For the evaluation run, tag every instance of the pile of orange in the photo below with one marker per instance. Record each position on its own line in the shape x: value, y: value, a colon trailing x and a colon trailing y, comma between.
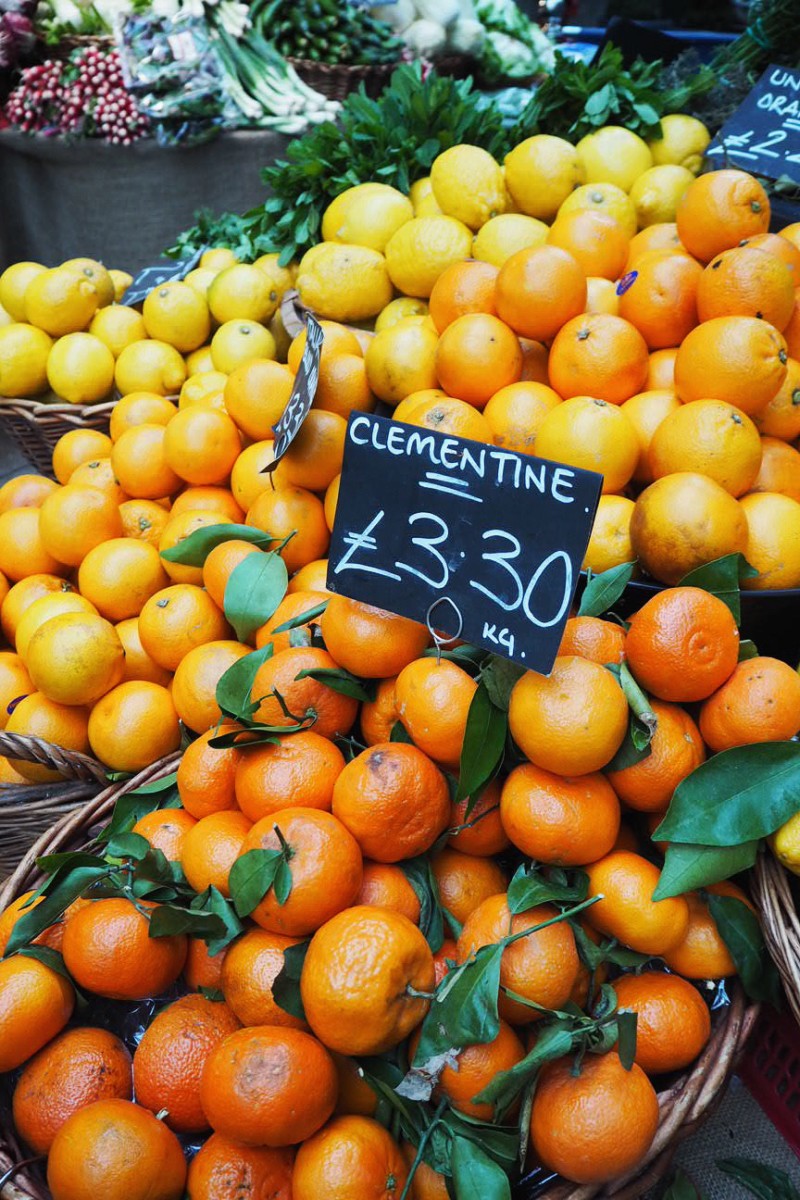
x: 280, y: 1098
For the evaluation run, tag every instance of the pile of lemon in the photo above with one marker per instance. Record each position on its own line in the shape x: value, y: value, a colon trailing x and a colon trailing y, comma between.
x: 64, y: 334
x: 378, y: 242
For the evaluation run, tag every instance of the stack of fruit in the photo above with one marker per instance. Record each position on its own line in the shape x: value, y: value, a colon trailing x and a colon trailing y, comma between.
x: 364, y: 946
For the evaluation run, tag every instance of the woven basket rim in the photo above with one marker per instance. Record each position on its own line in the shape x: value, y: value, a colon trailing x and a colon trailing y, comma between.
x: 35, y: 410
x: 682, y: 1106
x: 780, y: 921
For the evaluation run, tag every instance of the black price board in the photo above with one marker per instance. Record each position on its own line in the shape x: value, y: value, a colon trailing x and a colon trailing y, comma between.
x: 163, y: 272
x: 303, y: 393
x: 763, y: 135
x: 478, y: 542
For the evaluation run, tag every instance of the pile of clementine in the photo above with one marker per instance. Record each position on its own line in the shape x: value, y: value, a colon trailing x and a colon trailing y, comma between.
x: 283, y: 1097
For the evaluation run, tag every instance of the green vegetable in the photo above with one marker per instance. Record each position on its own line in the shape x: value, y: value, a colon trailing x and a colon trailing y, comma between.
x: 576, y: 99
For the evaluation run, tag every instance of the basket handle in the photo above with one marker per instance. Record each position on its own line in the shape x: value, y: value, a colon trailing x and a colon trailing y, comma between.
x: 68, y: 763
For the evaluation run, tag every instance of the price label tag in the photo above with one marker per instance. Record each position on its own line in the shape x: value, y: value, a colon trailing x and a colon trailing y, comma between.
x: 163, y: 272
x: 480, y: 542
x: 303, y: 392
x: 763, y: 135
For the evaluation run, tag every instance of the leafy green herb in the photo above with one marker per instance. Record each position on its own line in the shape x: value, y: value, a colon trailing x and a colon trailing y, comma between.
x: 603, y: 591
x: 578, y: 98
x: 736, y: 796
x: 722, y: 578
x: 740, y: 930
x: 484, y: 743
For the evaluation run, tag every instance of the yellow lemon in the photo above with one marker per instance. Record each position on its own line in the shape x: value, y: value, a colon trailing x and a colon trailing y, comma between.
x: 610, y: 541
x: 504, y: 235
x: 399, y: 310
x: 785, y: 843
x: 201, y: 386
x: 177, y: 314
x: 605, y: 198
x: 657, y: 193
x: 683, y: 142
x: 218, y: 258
x: 422, y: 249
x: 614, y: 155
x: 401, y: 360
x: 52, y: 605
x: 150, y: 366
x: 118, y: 325
x: 14, y: 284
x: 121, y: 281
x: 5, y: 317
x: 601, y: 296
x: 283, y: 277
x: 344, y: 282
x: 80, y: 368
x: 540, y: 173
x: 201, y: 279
x: 468, y: 184
x: 61, y: 300
x: 24, y: 350
x: 96, y: 273
x: 281, y: 337
x: 242, y: 292
x: 366, y: 215
x: 200, y: 360
x: 238, y: 342
x: 422, y: 197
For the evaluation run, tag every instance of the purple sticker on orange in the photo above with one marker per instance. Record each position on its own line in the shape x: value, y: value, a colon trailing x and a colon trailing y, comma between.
x: 627, y: 282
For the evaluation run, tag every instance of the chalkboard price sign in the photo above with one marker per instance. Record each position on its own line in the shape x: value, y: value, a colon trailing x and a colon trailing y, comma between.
x: 763, y: 135
x: 423, y: 517
x: 168, y: 271
x: 305, y: 388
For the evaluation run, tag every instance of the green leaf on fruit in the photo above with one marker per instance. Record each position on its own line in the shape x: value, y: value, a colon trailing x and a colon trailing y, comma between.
x: 338, y: 680
x: 534, y: 884
x: 286, y: 985
x: 253, y: 592
x: 484, y: 744
x: 741, y: 932
x: 687, y: 867
x: 603, y: 591
x: 251, y: 877
x: 235, y: 687
x: 722, y: 578
x: 192, y: 551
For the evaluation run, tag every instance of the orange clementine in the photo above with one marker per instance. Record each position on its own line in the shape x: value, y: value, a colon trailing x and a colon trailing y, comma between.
x: 220, y: 564
x: 140, y: 463
x: 194, y: 688
x: 476, y: 1067
x: 702, y: 953
x: 481, y: 832
x: 683, y: 521
x: 206, y: 776
x: 593, y: 638
x: 747, y: 282
x: 540, y: 967
x: 781, y: 417
x: 177, y: 619
x: 294, y: 513
x: 433, y: 700
x: 515, y: 413
x: 598, y: 355
x: 301, y: 766
x: 382, y: 954
x: 35, y: 1004
x: 759, y: 702
x: 465, y: 880
x: 661, y: 369
x: 222, y: 1164
x: 476, y: 356
x: 465, y: 287
x: 673, y: 1022
x: 779, y: 471
x: 268, y: 1086
x: 351, y: 1152
x: 626, y: 910
x: 293, y: 605
x: 139, y: 408
x: 379, y: 716
x: 211, y: 848
x: 596, y: 1124
x: 25, y: 491
x: 564, y: 821
x: 170, y: 1058
x: 719, y: 210
x: 592, y: 434
x: 108, y: 950
x: 143, y: 519
x: 595, y: 240
x: 287, y: 699
x: 450, y: 415
x: 256, y: 393
x: 78, y: 446
x: 676, y: 749
x: 394, y: 801
x: 540, y: 289
x: 343, y: 386
x: 662, y: 301
x: 661, y: 236
x: 65, y: 725
x: 369, y: 641
x: 180, y: 526
x: 773, y: 540
x: 740, y: 360
x: 682, y: 644
x: 72, y: 521
x: 165, y: 830
x: 710, y: 438
x: 250, y: 968
x: 208, y: 499
x: 133, y: 725
x: 386, y: 886
x: 646, y: 411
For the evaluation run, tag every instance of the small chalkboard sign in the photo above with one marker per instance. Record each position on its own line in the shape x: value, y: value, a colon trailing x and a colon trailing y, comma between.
x: 303, y: 393
x: 479, y: 542
x: 763, y: 135
x: 166, y: 271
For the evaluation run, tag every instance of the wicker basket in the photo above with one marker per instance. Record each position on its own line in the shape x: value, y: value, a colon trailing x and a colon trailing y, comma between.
x: 77, y: 41
x: 338, y: 80
x: 36, y: 427
x: 74, y: 831
x: 28, y: 810
x: 778, y: 909
x: 683, y: 1106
